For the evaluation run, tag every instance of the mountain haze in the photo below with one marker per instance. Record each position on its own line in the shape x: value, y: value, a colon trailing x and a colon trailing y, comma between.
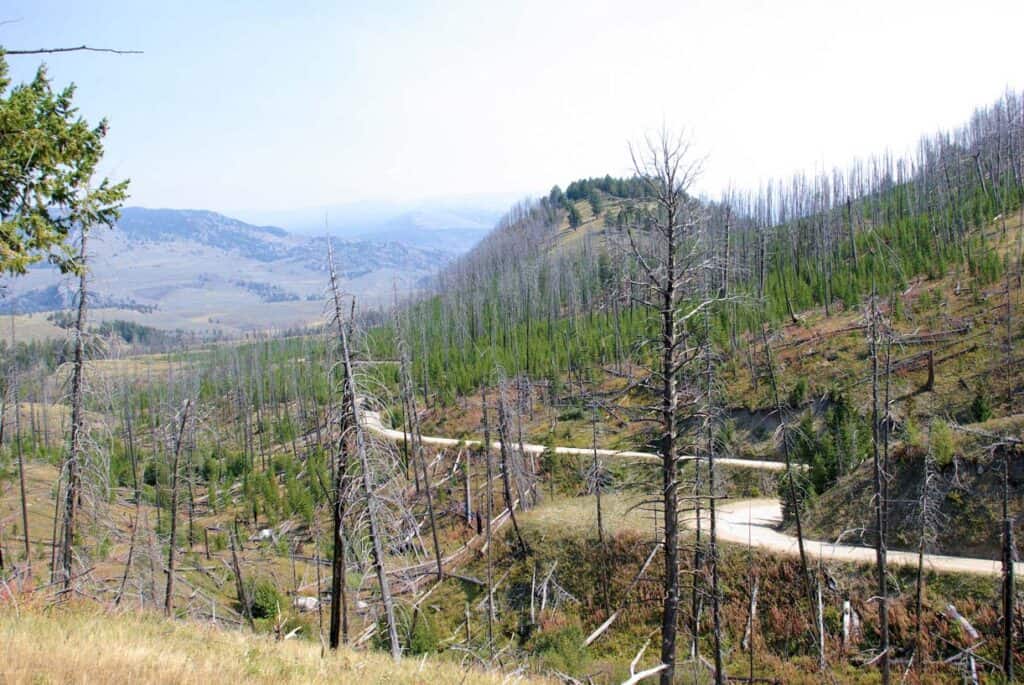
x: 203, y: 271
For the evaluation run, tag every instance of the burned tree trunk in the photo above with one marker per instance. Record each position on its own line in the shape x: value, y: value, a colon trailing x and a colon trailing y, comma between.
x: 791, y: 488
x: 506, y: 466
x: 489, y: 485
x: 419, y: 455
x: 598, y: 476
x: 351, y: 422
x: 73, y: 463
x: 667, y: 258
x: 879, y: 500
x: 172, y: 547
x: 339, y: 608
x: 712, y: 507
x: 19, y: 451
x: 243, y: 597
x: 1008, y: 558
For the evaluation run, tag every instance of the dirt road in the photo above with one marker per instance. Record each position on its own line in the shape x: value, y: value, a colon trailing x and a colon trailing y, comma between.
x: 372, y: 421
x: 754, y: 520
x: 757, y: 521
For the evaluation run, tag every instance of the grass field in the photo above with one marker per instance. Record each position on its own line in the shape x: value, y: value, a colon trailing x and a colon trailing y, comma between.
x: 85, y: 645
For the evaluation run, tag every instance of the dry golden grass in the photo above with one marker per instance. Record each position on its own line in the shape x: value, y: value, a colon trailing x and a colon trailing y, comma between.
x: 139, y: 367
x: 576, y: 515
x: 30, y: 327
x: 82, y: 645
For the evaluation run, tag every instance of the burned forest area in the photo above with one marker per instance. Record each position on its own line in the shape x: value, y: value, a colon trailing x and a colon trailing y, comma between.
x: 636, y: 434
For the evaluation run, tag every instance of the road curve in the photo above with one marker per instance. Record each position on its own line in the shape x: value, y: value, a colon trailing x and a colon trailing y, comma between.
x: 757, y: 520
x: 753, y: 521
x: 372, y: 421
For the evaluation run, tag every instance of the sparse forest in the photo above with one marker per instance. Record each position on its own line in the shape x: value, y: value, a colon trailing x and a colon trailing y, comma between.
x: 636, y: 433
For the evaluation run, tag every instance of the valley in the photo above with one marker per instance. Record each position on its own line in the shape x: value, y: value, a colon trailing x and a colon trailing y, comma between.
x: 211, y: 276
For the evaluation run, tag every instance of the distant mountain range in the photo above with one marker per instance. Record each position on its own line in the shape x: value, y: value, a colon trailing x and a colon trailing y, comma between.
x: 199, y: 270
x: 455, y: 223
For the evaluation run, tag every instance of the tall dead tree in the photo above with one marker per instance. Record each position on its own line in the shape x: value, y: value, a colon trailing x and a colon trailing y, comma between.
x: 879, y: 478
x: 350, y: 423
x: 172, y: 547
x: 927, y: 519
x: 1009, y: 555
x: 791, y: 486
x: 243, y: 595
x: 665, y: 253
x: 1008, y: 558
x: 73, y: 462
x: 419, y: 456
x: 489, y: 504
x: 597, y: 477
x: 505, y: 451
x: 339, y: 600
x: 19, y: 450
x: 712, y: 501
x: 129, y: 443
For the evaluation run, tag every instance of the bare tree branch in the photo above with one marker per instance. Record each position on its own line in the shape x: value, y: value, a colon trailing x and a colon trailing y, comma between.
x: 80, y: 48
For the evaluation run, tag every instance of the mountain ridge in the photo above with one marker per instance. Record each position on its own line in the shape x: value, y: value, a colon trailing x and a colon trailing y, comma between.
x: 193, y: 268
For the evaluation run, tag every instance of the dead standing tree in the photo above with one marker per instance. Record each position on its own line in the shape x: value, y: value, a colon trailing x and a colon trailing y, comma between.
x: 667, y: 254
x: 489, y: 509
x: 351, y: 425
x: 339, y: 495
x: 930, y: 520
x: 511, y: 465
x: 880, y: 429
x: 172, y: 548
x: 13, y: 392
x: 1009, y: 558
x: 596, y: 481
x: 418, y: 457
x: 794, y: 500
x: 73, y: 462
x: 709, y: 427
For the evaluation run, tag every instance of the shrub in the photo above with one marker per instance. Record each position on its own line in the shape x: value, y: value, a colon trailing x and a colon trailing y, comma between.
x: 563, y: 472
x: 416, y: 632
x: 981, y: 407
x: 561, y: 649
x: 218, y: 542
x: 266, y: 600
x: 571, y: 414
x: 941, y: 443
x: 798, y: 393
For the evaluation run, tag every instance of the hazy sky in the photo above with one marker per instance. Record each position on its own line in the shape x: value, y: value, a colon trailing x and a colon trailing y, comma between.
x: 279, y: 105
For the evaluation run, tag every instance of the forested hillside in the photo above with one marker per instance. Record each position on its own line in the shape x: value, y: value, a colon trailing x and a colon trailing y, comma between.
x: 798, y: 244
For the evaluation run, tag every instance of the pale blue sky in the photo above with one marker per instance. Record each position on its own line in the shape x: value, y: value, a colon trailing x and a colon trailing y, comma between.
x: 281, y: 105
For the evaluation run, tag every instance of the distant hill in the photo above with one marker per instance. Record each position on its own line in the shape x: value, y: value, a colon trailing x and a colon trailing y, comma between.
x: 200, y: 270
x: 455, y: 224
x: 204, y: 227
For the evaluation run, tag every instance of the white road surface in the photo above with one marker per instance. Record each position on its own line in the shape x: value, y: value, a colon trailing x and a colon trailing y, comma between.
x: 754, y: 520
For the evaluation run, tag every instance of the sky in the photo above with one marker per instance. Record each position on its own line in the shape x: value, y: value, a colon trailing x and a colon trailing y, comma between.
x: 275, y: 106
